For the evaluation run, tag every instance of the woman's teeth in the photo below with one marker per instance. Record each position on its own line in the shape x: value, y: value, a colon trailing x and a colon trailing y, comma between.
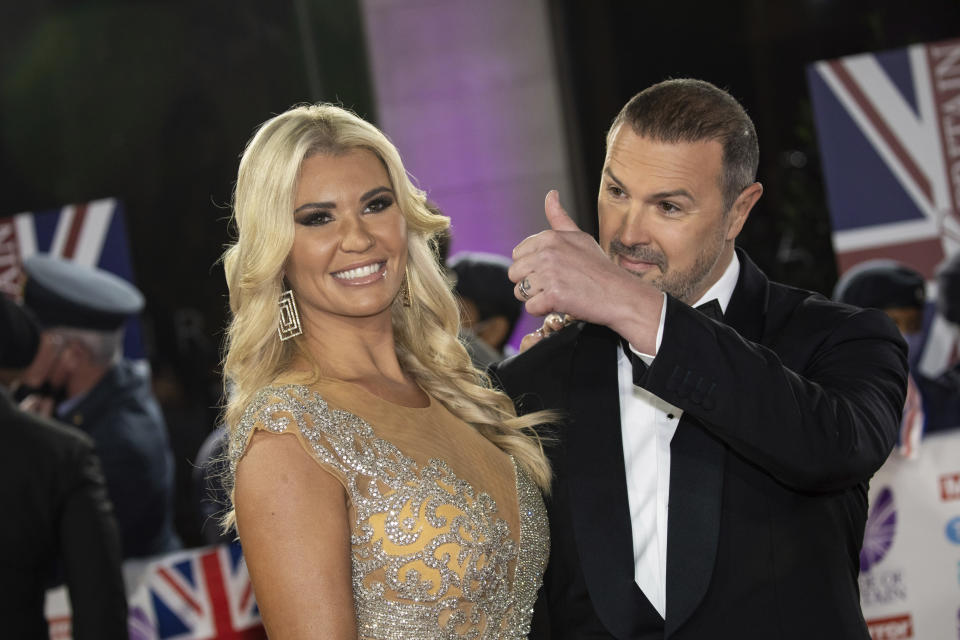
x: 359, y: 272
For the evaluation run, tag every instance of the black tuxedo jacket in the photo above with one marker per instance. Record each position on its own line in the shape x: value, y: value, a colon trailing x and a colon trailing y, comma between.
x: 56, y: 520
x: 790, y: 405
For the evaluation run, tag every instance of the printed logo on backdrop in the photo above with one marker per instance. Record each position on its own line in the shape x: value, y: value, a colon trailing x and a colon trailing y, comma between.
x: 950, y: 487
x: 878, y: 584
x: 952, y: 530
x: 894, y: 628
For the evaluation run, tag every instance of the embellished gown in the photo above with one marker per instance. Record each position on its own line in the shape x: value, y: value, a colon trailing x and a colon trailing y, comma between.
x: 449, y: 536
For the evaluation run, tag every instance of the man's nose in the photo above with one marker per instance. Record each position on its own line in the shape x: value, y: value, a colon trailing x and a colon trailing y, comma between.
x: 635, y: 228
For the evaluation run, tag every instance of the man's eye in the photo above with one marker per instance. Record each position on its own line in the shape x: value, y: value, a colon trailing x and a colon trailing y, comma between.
x: 669, y: 207
x: 614, y: 190
x: 378, y: 204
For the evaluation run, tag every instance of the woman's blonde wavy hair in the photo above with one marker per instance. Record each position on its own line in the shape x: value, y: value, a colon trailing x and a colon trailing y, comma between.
x: 425, y: 333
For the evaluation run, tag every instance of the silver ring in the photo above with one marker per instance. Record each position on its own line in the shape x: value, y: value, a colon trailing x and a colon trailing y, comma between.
x: 525, y: 289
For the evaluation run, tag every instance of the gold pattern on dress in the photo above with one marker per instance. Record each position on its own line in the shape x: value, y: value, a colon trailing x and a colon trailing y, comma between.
x: 430, y: 557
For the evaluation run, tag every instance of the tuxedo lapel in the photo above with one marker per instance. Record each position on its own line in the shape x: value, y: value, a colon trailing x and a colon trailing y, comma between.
x: 696, y: 492
x: 598, y: 487
x: 748, y: 305
x: 697, y: 461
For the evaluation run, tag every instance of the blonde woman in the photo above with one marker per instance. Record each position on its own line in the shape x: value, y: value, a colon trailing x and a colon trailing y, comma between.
x: 381, y: 488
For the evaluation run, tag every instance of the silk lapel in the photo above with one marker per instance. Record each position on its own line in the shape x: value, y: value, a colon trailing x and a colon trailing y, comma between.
x: 598, y: 486
x: 748, y: 306
x: 697, y: 461
x: 696, y: 492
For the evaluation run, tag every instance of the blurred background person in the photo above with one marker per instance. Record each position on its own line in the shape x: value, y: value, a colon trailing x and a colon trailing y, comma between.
x: 941, y: 389
x: 209, y: 494
x: 948, y: 289
x: 57, y: 520
x: 81, y: 377
x: 488, y: 309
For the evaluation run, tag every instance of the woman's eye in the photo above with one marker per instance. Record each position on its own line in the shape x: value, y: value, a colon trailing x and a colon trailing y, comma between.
x: 378, y: 204
x: 315, y: 218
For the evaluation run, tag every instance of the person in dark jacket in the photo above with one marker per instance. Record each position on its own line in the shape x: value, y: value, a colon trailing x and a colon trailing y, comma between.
x: 91, y: 386
x: 57, y: 519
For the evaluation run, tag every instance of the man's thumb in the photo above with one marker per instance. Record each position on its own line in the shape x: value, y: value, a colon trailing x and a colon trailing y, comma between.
x: 558, y: 218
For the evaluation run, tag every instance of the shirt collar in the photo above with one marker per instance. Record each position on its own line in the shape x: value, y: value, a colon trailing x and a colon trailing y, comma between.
x: 723, y: 288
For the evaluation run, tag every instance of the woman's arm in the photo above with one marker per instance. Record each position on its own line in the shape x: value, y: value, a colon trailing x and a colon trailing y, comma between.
x: 293, y: 523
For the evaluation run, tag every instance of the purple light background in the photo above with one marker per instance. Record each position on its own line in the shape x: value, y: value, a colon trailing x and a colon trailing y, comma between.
x: 467, y: 92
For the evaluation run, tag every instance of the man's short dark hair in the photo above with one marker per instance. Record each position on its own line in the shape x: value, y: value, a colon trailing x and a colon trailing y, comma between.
x: 689, y: 110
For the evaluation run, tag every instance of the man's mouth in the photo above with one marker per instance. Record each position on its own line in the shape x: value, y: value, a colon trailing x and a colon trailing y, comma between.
x: 635, y: 265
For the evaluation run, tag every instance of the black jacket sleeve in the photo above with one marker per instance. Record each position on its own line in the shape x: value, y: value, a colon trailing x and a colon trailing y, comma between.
x: 90, y: 552
x: 818, y: 407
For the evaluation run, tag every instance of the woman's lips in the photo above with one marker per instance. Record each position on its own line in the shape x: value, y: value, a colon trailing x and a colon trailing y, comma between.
x: 363, y: 274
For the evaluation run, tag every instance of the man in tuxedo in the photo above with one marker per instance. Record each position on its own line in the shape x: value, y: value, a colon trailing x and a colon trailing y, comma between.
x: 712, y: 465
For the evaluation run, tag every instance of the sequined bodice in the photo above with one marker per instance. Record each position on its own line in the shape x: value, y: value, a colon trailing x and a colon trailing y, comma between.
x: 431, y: 556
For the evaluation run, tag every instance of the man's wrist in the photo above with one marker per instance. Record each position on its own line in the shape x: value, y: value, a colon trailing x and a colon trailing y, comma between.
x: 639, y: 318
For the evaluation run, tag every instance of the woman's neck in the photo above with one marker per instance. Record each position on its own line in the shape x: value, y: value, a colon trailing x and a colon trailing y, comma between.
x: 361, y: 351
x: 353, y: 349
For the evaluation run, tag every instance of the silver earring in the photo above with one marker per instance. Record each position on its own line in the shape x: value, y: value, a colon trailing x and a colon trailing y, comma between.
x: 289, y: 317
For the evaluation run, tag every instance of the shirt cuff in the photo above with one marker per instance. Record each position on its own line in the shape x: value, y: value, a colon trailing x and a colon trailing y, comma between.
x: 646, y: 357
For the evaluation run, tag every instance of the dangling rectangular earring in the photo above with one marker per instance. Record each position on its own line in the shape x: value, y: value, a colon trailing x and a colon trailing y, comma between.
x: 405, y: 299
x: 289, y: 317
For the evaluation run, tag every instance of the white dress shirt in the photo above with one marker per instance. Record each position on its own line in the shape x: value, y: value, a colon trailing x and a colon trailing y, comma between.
x: 647, y: 425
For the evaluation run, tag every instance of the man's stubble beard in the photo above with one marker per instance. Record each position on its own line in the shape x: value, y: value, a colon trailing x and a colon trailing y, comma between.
x: 682, y: 285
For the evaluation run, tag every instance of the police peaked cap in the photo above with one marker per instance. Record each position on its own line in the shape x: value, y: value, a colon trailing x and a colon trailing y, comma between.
x: 882, y: 284
x: 65, y: 294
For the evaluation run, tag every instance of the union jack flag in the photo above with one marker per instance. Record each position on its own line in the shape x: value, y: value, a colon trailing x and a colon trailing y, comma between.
x: 888, y: 125
x: 889, y: 131
x: 200, y: 594
x: 92, y: 234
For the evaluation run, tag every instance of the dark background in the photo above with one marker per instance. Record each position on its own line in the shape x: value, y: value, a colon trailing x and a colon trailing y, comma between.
x: 152, y: 102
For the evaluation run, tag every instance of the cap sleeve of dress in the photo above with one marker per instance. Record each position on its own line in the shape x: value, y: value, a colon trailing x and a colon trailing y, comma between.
x: 329, y: 436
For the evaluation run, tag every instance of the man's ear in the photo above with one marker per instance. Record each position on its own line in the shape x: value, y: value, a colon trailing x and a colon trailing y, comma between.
x: 741, y: 208
x: 494, y: 331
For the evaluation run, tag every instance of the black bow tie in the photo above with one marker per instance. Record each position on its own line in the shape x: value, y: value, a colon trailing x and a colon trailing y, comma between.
x: 710, y: 308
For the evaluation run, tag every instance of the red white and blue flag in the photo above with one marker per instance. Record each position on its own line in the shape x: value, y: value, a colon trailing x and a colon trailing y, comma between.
x: 196, y: 594
x: 888, y: 125
x: 93, y: 234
